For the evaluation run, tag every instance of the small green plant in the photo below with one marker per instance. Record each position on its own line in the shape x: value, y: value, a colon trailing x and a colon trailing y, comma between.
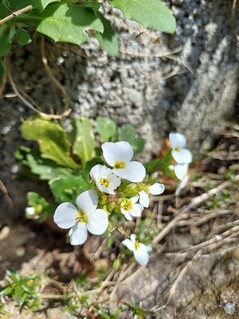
x: 95, y: 194
x: 24, y: 290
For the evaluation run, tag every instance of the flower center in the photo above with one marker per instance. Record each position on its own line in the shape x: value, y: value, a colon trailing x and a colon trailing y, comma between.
x: 119, y: 165
x: 127, y: 205
x: 142, y: 187
x: 104, y: 182
x: 177, y: 149
x: 82, y: 217
x: 136, y: 244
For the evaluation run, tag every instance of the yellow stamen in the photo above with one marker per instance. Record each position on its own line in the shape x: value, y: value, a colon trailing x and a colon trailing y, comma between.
x: 119, y: 165
x: 104, y: 182
x: 82, y: 217
x: 177, y: 149
x: 127, y: 205
x: 136, y: 245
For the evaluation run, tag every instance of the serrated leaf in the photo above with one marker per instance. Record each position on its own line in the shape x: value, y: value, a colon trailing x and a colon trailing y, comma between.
x: 67, y: 188
x: 83, y: 140
x: 51, y: 139
x: 64, y: 22
x: 108, y: 40
x: 23, y: 37
x: 44, y: 168
x: 127, y: 133
x: 106, y: 128
x: 152, y: 14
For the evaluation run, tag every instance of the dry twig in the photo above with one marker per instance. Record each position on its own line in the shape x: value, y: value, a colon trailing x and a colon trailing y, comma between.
x: 16, y: 14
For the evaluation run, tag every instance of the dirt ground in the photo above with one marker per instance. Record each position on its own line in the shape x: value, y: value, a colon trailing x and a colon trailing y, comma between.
x: 193, y: 271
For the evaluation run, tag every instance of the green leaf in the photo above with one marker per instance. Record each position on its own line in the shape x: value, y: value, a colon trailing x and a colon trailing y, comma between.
x: 83, y: 140
x: 36, y: 4
x: 127, y: 133
x: 44, y: 168
x: 152, y: 14
x: 52, y: 140
x: 106, y: 128
x: 64, y: 22
x: 4, y: 11
x: 108, y: 40
x: 5, y: 40
x: 67, y: 188
x: 1, y: 72
x: 23, y: 37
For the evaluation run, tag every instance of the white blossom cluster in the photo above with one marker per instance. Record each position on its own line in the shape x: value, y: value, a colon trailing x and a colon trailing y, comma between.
x: 182, y: 157
x: 120, y: 189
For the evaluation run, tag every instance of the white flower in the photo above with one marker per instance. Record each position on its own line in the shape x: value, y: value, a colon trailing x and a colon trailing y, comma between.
x: 129, y: 208
x: 182, y: 184
x: 180, y: 170
x: 141, y: 252
x: 155, y: 189
x: 119, y: 155
x: 180, y: 154
x: 105, y: 179
x: 85, y: 217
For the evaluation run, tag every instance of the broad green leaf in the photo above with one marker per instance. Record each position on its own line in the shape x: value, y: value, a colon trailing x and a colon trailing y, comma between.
x: 52, y: 140
x: 83, y: 140
x: 91, y: 4
x: 23, y: 37
x: 4, y: 11
x: 66, y: 189
x: 108, y: 40
x: 43, y: 209
x: 106, y: 128
x: 127, y: 133
x: 36, y: 4
x: 64, y: 22
x: 5, y: 40
x: 152, y: 14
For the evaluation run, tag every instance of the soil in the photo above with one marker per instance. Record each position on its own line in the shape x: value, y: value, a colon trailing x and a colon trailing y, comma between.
x: 194, y: 268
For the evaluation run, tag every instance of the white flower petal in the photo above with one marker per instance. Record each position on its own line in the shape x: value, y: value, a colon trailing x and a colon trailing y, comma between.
x: 144, y: 199
x: 110, y: 153
x: 125, y: 151
x: 180, y: 170
x: 129, y: 244
x: 98, y: 222
x: 182, y: 184
x: 99, y: 171
x: 133, y: 172
x: 141, y: 255
x: 177, y: 140
x: 137, y: 210
x: 87, y: 201
x: 133, y: 238
x: 134, y: 199
x: 126, y: 214
x: 78, y: 234
x: 65, y: 215
x: 156, y: 189
x: 183, y: 156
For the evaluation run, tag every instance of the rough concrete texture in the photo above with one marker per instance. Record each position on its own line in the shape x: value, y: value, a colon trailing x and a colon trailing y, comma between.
x: 189, y: 91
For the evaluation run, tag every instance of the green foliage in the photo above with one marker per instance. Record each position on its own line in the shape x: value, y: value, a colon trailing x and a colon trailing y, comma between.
x: 42, y: 209
x: 71, y: 20
x: 52, y: 140
x: 23, y: 290
x: 83, y: 140
x: 152, y: 14
x: 63, y: 159
x: 106, y: 128
x: 127, y: 133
